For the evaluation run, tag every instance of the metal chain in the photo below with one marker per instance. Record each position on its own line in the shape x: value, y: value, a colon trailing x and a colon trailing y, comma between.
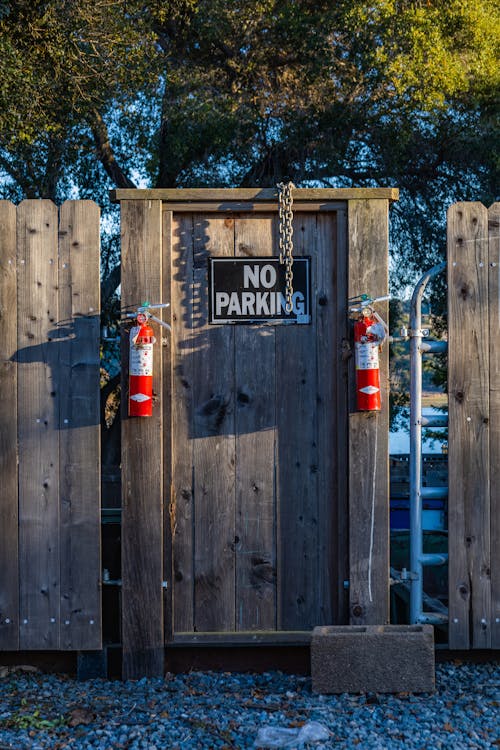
x: 285, y: 214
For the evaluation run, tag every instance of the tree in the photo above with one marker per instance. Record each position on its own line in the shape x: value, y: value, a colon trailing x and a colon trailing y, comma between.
x: 96, y: 93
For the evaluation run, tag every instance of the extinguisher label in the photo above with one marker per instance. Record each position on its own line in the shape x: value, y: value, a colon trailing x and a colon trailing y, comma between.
x: 367, y: 355
x: 141, y: 360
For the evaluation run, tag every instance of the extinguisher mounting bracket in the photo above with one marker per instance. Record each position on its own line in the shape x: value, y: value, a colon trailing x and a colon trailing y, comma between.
x: 363, y: 301
x: 144, y: 310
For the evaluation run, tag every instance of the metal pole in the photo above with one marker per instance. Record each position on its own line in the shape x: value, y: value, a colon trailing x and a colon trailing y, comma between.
x: 416, y: 348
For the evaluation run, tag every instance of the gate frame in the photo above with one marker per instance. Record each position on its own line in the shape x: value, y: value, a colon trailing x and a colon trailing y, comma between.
x: 146, y: 215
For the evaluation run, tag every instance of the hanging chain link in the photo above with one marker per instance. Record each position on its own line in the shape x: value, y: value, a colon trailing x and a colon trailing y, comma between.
x: 285, y: 214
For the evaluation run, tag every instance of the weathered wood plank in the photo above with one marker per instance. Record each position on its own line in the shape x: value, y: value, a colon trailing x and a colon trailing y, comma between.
x: 142, y: 471
x: 183, y: 333
x: 253, y: 194
x: 255, y: 420
x: 468, y: 452
x: 167, y: 340
x: 213, y: 439
x: 231, y: 207
x: 340, y: 356
x: 302, y: 561
x: 330, y: 297
x: 79, y: 422
x: 38, y: 425
x: 244, y: 638
x: 9, y: 575
x: 368, y: 431
x: 494, y: 423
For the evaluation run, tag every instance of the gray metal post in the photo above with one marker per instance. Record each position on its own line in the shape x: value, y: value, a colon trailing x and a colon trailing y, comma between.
x: 417, y: 558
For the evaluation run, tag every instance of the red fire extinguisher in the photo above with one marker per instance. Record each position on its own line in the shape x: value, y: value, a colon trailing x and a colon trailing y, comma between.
x: 140, y: 399
x: 369, y: 334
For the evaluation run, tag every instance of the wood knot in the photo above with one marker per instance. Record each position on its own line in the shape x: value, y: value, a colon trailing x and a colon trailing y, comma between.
x: 463, y: 591
x: 465, y: 291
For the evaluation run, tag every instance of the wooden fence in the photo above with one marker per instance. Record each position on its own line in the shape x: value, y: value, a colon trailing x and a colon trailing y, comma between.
x: 50, y: 595
x: 474, y: 425
x: 255, y: 490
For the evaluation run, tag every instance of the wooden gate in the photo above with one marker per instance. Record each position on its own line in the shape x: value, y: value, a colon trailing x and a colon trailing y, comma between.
x: 256, y: 456
x: 49, y: 426
x: 255, y: 500
x: 474, y: 425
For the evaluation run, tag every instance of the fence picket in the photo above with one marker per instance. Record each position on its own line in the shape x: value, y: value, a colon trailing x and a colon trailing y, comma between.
x: 494, y: 300
x: 9, y: 574
x: 468, y: 454
x: 38, y: 434
x: 79, y: 423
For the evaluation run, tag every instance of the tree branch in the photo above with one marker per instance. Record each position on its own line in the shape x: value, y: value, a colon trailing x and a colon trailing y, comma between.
x: 105, y: 152
x: 110, y: 284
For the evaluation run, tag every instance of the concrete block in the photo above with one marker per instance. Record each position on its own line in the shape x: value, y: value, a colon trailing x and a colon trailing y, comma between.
x: 373, y: 659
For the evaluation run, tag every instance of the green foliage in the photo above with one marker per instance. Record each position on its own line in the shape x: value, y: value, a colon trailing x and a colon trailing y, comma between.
x: 95, y: 93
x: 34, y: 720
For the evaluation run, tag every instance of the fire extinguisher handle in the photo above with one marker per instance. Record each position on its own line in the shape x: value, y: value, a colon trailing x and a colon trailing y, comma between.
x: 146, y: 306
x: 161, y: 322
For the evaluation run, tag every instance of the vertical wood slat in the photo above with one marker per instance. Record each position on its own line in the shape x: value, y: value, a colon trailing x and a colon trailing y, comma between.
x: 213, y: 439
x: 167, y: 361
x: 9, y: 574
x: 302, y: 564
x: 142, y: 472
x: 77, y: 341
x: 255, y: 420
x: 494, y: 422
x: 368, y: 431
x: 38, y: 425
x: 468, y: 405
x: 332, y: 413
x: 341, y: 481
x: 182, y: 496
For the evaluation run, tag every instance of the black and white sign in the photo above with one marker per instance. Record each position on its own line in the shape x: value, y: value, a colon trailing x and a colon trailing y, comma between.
x: 252, y: 290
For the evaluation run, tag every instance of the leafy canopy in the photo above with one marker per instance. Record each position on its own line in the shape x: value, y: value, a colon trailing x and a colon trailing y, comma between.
x: 95, y: 93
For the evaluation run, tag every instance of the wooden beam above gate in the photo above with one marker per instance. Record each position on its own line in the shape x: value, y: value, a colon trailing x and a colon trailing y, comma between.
x: 244, y: 199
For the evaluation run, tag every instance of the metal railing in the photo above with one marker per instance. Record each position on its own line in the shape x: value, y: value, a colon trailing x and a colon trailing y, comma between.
x: 419, y: 559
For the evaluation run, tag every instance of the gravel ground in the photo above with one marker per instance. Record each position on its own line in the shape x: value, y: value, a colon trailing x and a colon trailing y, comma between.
x: 224, y: 710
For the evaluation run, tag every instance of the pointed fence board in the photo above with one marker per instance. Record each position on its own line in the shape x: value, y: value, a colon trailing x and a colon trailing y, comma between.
x: 469, y: 429
x: 9, y: 574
